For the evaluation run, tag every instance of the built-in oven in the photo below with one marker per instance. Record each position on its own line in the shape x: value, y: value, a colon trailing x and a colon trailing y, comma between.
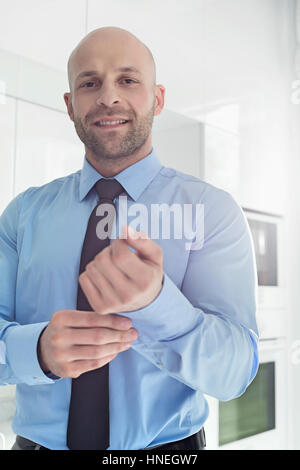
x: 268, y: 235
x: 258, y: 418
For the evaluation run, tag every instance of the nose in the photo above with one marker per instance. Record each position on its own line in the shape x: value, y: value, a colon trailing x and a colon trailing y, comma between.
x: 107, y: 95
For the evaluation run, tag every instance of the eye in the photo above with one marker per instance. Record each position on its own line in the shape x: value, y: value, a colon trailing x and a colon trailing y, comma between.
x: 133, y: 81
x: 87, y: 83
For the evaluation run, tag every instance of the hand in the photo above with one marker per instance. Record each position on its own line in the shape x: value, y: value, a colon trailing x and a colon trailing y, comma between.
x: 78, y: 341
x: 119, y: 280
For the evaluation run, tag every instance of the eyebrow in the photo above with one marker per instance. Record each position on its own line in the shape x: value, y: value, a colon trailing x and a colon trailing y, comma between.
x: 90, y: 73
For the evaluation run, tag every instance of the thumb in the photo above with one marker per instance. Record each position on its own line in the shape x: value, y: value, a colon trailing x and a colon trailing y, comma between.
x: 144, y: 246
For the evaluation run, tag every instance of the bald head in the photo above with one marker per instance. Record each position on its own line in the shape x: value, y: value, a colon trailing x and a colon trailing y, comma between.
x: 113, y: 39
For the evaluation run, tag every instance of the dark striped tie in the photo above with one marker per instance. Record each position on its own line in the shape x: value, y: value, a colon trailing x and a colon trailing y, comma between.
x: 88, y: 425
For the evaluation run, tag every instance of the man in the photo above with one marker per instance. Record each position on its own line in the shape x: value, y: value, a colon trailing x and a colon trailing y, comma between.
x: 168, y: 323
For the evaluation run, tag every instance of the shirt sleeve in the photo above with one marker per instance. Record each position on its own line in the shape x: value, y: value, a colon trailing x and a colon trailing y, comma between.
x: 18, y: 343
x: 204, y: 333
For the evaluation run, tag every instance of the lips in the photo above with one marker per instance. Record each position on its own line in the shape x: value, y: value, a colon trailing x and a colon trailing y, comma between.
x: 110, y: 123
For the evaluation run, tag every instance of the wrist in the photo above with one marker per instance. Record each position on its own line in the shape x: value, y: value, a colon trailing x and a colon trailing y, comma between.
x: 42, y: 363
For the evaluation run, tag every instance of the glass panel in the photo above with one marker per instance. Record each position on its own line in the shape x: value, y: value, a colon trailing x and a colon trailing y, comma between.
x: 265, y: 243
x: 28, y: 80
x: 253, y: 412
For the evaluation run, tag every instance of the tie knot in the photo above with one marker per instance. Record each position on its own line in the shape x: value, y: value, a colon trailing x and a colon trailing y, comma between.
x: 108, y: 188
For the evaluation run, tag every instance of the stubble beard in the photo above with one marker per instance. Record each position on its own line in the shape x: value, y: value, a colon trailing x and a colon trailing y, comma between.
x: 112, y: 146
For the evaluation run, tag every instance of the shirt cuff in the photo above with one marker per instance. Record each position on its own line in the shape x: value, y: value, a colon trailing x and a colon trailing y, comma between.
x: 21, y: 352
x: 162, y: 318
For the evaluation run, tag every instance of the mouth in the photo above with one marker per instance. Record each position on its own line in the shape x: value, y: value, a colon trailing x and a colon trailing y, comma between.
x: 110, y: 124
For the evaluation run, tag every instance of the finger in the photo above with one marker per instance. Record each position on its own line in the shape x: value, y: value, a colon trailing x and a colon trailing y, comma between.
x: 77, y: 368
x: 126, y: 261
x: 130, y: 232
x: 97, y: 336
x: 103, y: 262
x: 106, y: 277
x: 121, y: 284
x: 144, y: 246
x: 90, y: 319
x: 93, y: 294
x: 94, y: 352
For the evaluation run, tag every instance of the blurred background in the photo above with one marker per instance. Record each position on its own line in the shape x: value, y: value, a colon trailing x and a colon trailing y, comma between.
x: 231, y: 69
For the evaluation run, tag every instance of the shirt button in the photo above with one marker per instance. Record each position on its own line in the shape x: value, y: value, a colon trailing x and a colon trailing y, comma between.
x: 159, y: 364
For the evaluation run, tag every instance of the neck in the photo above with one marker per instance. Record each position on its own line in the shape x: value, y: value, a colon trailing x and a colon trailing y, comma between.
x: 109, y: 168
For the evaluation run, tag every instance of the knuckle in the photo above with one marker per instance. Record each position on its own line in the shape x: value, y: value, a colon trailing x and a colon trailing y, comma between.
x: 57, y: 355
x: 74, y: 371
x: 66, y: 371
x: 97, y: 306
x: 89, y: 267
x: 116, y: 322
x: 56, y: 317
x: 113, y: 304
x: 75, y: 374
x: 95, y: 363
x: 89, y: 319
x: 127, y: 297
x: 144, y: 283
x: 102, y: 257
x: 98, y: 336
x: 123, y: 337
x: 124, y: 344
x: 99, y: 255
x: 120, y: 257
x: 126, y: 336
x: 55, y: 339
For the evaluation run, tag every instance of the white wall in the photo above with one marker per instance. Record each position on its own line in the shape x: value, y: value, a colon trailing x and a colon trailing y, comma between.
x: 44, y: 31
x: 293, y: 254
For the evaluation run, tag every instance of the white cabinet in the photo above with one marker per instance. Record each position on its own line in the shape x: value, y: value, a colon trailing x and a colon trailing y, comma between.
x: 7, y: 142
x: 7, y: 410
x: 220, y: 158
x: 47, y: 146
x: 176, y: 141
x: 179, y: 148
x: 263, y: 154
x: 247, y: 164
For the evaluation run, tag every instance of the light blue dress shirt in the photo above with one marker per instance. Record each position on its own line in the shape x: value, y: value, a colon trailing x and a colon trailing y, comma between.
x: 199, y: 336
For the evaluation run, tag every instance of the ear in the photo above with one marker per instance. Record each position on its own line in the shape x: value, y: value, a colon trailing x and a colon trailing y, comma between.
x: 160, y: 98
x: 68, y: 101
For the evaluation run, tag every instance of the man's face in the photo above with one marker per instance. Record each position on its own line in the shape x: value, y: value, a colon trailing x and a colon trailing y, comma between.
x: 111, y: 94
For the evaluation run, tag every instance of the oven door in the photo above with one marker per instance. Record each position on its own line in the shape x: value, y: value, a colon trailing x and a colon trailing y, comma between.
x: 258, y: 418
x: 268, y: 235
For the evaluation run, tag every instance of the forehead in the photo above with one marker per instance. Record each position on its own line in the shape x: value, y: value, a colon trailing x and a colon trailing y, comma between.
x: 113, y: 55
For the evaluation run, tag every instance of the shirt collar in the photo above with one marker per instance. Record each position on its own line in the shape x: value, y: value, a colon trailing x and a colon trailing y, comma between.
x: 134, y: 178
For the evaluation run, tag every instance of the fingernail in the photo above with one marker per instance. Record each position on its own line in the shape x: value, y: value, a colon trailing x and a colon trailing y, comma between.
x: 131, y: 232
x: 133, y: 333
x: 127, y: 345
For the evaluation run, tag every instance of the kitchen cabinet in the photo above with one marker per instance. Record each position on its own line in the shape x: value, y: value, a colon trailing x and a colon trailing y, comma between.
x: 7, y: 410
x: 47, y: 146
x: 176, y: 141
x: 7, y: 149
